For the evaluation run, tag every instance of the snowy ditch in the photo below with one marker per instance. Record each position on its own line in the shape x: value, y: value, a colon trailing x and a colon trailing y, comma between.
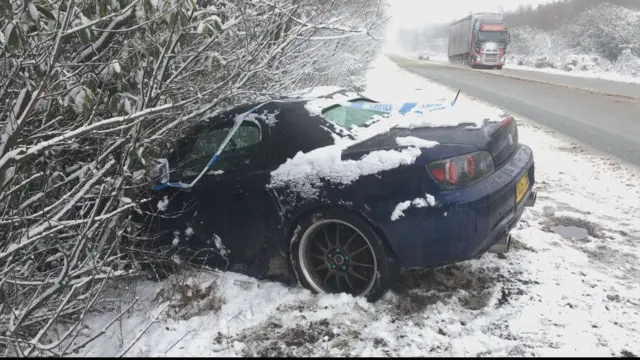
x: 552, y: 295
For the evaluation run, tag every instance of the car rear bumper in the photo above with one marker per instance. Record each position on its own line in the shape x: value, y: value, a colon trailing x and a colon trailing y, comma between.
x: 465, y: 223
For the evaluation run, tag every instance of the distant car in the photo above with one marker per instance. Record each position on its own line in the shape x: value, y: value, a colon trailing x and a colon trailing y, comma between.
x: 459, y: 198
x: 423, y: 56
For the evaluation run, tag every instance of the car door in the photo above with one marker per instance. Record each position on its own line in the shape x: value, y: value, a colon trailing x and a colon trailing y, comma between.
x: 224, y: 212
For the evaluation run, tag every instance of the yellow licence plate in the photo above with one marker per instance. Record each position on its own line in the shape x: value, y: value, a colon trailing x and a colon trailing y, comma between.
x: 521, y: 187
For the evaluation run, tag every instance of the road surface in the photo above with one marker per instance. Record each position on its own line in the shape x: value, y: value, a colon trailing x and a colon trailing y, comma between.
x: 608, y: 123
x: 608, y: 87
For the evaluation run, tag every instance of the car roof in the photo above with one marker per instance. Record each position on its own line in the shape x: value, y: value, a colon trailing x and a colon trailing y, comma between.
x: 297, y: 100
x: 296, y: 129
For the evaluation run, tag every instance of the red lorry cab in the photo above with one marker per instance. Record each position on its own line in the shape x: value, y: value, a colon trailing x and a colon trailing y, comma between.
x: 479, y: 40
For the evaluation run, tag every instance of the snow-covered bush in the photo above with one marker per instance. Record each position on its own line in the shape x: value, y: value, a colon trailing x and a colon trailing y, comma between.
x: 606, y: 30
x: 536, y: 48
x: 627, y: 64
x: 92, y: 91
x: 605, y: 38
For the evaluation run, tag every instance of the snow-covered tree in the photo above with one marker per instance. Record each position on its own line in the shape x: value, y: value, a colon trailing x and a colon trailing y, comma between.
x: 603, y: 38
x: 606, y: 29
x: 92, y: 91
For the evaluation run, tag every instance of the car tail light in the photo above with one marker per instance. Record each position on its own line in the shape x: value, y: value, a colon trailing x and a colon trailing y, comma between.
x: 507, y: 121
x: 464, y: 170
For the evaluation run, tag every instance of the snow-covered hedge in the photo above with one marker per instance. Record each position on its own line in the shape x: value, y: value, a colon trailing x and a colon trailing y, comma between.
x: 605, y: 38
x: 91, y: 92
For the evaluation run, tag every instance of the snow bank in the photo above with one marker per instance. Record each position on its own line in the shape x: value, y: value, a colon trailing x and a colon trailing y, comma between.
x: 581, y: 69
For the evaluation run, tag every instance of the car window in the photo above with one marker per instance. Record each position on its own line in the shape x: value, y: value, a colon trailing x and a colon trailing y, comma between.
x: 351, y: 116
x: 238, y: 153
x: 245, y: 136
x: 205, y: 145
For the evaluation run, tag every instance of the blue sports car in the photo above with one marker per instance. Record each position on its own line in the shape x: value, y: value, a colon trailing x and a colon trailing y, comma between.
x: 291, y: 188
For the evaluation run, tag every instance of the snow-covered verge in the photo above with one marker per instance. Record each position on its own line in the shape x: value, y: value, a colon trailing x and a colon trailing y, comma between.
x: 570, y: 286
x: 626, y: 69
x: 601, y: 42
x: 513, y: 61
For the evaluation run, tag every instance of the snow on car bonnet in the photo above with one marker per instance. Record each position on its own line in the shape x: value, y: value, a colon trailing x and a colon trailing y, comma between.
x: 304, y: 172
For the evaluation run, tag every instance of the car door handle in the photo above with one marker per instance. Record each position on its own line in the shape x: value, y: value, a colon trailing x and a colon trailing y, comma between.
x: 240, y: 193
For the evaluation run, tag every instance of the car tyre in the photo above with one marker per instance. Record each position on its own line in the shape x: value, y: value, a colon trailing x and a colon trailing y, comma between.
x: 499, y: 67
x: 336, y: 251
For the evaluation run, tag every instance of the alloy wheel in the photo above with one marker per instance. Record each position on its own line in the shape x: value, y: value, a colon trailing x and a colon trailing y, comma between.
x: 336, y: 257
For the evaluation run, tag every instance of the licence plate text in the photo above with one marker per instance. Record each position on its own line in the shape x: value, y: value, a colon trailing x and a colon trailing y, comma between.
x: 521, y: 187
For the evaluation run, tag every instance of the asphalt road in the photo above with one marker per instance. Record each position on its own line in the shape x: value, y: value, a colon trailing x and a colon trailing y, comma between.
x: 608, y: 87
x: 609, y: 123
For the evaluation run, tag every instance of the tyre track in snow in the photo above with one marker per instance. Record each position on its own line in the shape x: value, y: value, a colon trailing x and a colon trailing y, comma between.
x: 607, y: 123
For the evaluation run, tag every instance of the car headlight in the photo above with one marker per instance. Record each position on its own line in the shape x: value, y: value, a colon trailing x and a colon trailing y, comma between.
x: 463, y: 170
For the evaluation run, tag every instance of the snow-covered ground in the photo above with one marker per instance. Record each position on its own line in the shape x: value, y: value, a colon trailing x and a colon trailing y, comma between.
x: 586, y: 74
x: 569, y: 287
